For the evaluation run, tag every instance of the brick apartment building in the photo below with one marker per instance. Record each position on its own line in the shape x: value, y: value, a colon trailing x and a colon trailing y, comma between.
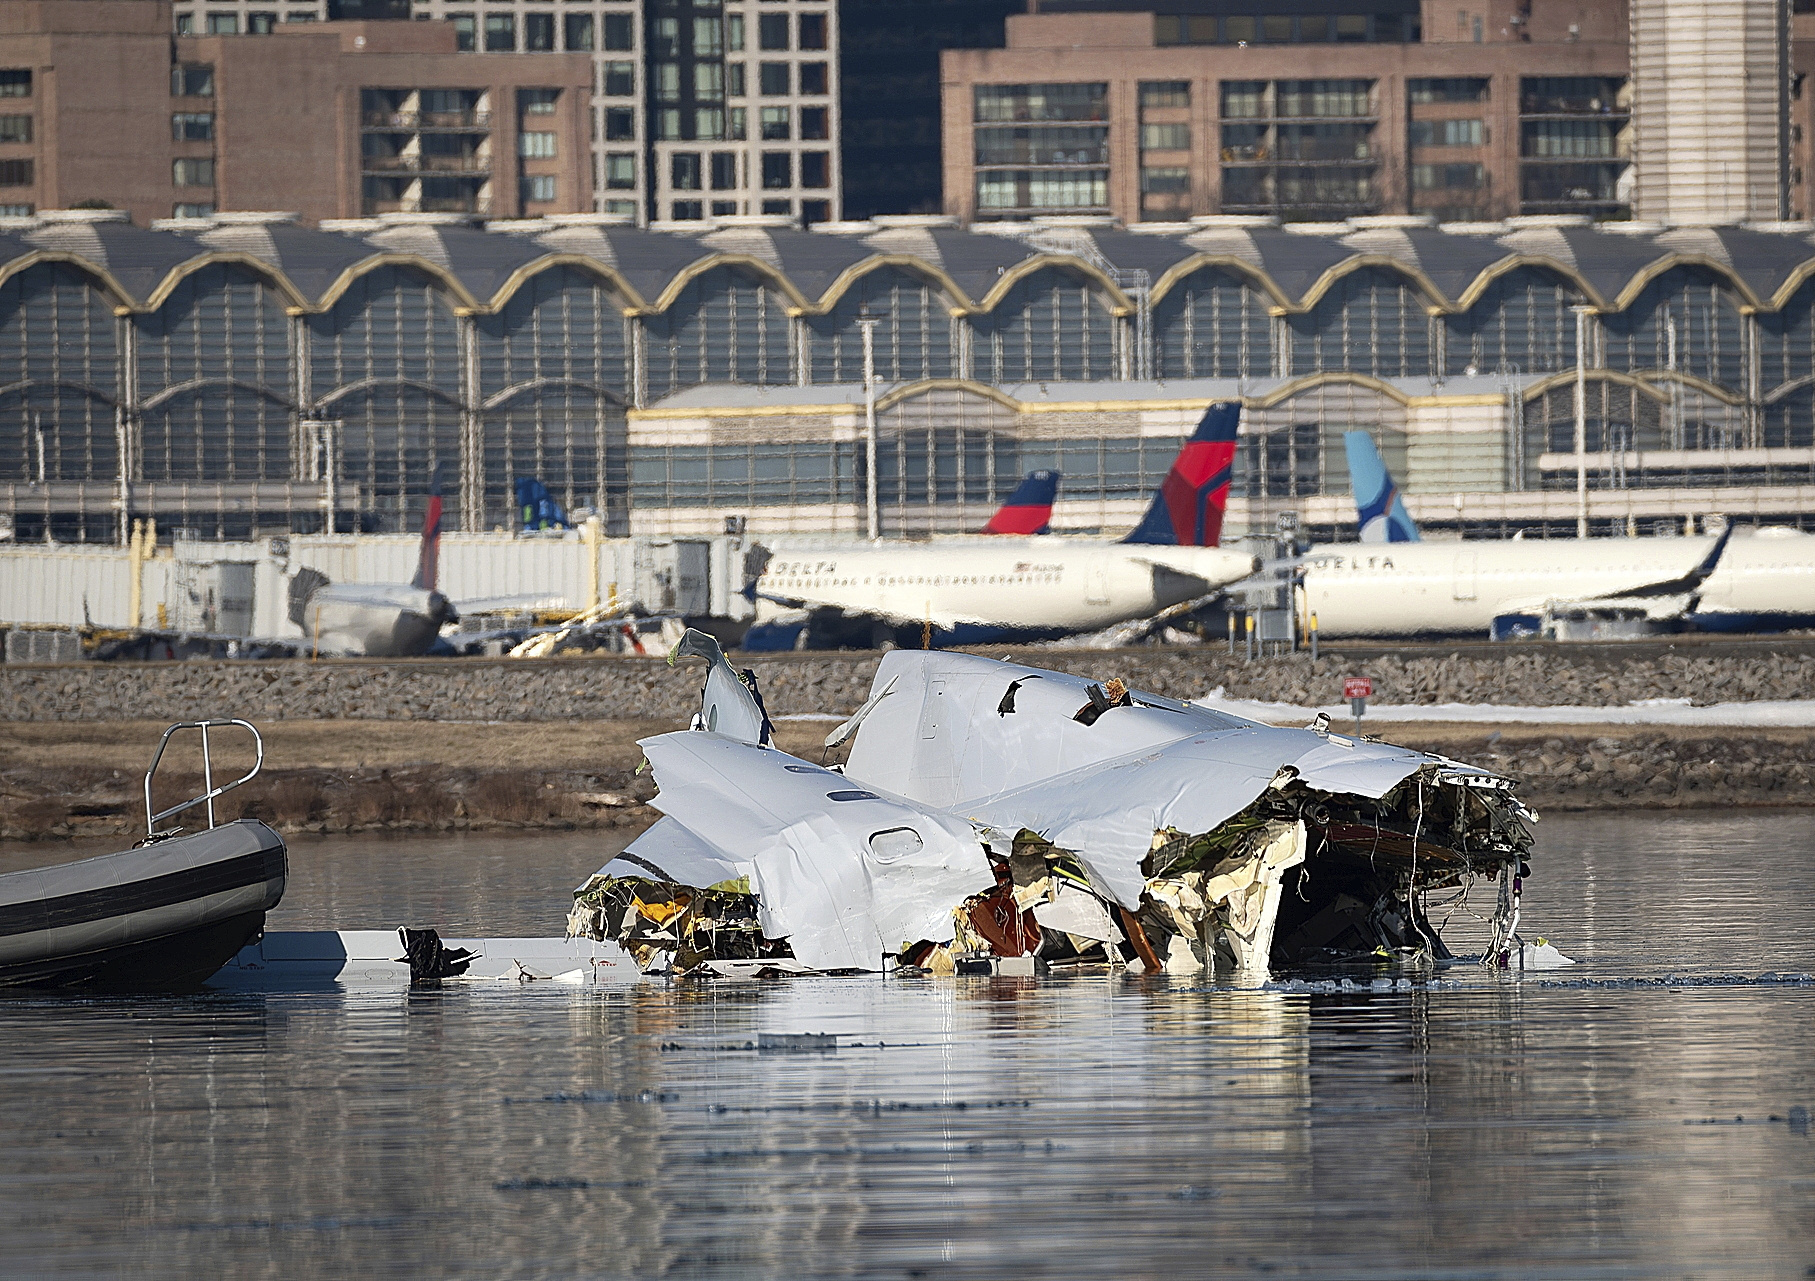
x: 1162, y: 110
x: 98, y: 102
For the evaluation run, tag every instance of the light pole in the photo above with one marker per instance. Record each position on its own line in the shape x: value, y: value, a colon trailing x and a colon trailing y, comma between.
x: 867, y: 321
x: 1581, y: 314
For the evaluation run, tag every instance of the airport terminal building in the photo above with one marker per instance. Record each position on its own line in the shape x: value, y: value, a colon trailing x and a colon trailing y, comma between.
x: 243, y: 374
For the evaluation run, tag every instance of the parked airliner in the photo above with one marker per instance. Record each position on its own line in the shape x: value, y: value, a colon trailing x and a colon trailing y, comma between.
x: 1744, y: 580
x: 1007, y: 588
x: 376, y: 620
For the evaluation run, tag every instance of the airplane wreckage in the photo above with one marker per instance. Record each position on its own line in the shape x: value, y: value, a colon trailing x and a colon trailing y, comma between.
x: 992, y: 817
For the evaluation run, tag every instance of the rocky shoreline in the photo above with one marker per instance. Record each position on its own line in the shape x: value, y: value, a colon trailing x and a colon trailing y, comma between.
x: 1557, y: 773
x: 617, y: 688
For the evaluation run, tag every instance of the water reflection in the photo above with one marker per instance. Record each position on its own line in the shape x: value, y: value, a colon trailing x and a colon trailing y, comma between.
x: 972, y: 1129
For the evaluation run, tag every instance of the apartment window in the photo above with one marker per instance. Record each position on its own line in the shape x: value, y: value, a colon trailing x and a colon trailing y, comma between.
x: 15, y: 173
x: 620, y: 79
x: 1449, y: 89
x: 813, y: 77
x: 620, y: 32
x: 1070, y: 145
x: 300, y: 15
x: 192, y: 171
x: 500, y: 33
x: 1165, y: 180
x: 16, y: 211
x: 1165, y: 137
x: 668, y: 81
x: 192, y: 81
x: 667, y: 123
x: 775, y: 124
x: 619, y: 207
x: 16, y: 83
x: 465, y: 32
x: 708, y: 81
x: 192, y: 211
x: 620, y: 170
x: 1042, y: 102
x: 539, y: 32
x: 724, y: 170
x: 734, y: 123
x: 536, y: 146
x: 709, y: 124
x: 1448, y: 177
x: 812, y: 211
x: 223, y: 24
x: 620, y: 124
x: 812, y: 31
x: 538, y: 102
x: 734, y: 79
x: 723, y: 208
x: 708, y: 38
x: 1165, y: 93
x: 185, y: 24
x: 734, y: 32
x: 773, y: 78
x: 772, y: 31
x: 686, y: 211
x: 261, y: 24
x: 815, y: 122
x: 539, y: 188
x: 1236, y: 31
x: 684, y: 171
x: 1351, y: 28
x: 1448, y: 133
x: 1276, y: 28
x: 15, y: 128
x: 778, y: 207
x: 192, y: 126
x: 778, y: 169
x: 578, y: 32
x: 816, y: 169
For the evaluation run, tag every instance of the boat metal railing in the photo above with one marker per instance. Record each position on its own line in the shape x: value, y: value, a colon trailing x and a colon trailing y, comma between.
x: 209, y: 790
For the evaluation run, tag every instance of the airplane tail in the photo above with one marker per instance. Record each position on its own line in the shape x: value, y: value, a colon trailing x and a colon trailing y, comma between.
x: 428, y: 561
x: 1188, y: 509
x: 537, y: 506
x: 1029, y: 509
x: 1384, y: 518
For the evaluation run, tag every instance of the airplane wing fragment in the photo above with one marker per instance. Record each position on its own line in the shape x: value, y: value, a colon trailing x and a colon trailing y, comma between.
x: 990, y: 810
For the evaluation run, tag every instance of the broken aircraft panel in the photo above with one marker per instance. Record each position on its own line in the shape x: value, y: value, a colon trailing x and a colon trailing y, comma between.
x: 994, y: 810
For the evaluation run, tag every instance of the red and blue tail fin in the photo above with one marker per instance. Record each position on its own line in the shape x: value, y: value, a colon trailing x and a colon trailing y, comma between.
x: 428, y: 560
x: 1188, y: 510
x: 1029, y: 509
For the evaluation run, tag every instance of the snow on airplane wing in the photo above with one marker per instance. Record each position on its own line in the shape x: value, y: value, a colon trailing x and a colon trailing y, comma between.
x: 845, y: 873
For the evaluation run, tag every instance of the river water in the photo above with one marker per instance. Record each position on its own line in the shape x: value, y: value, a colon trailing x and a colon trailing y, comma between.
x: 1091, y: 1126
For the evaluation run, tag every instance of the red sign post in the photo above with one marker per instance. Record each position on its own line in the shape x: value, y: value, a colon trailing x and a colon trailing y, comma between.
x: 1357, y: 689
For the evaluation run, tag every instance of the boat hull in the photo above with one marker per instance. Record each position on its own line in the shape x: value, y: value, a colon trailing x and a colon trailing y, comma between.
x: 164, y: 917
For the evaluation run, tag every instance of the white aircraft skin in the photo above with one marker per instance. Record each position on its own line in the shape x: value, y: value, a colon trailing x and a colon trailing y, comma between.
x: 375, y: 620
x: 1041, y: 585
x: 1459, y: 588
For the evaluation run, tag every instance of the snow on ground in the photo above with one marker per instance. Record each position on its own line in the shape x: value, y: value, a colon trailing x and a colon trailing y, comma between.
x: 1783, y: 714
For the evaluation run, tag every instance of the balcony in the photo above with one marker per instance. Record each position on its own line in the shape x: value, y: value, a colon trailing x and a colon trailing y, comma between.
x: 432, y: 204
x: 426, y: 120
x: 425, y: 164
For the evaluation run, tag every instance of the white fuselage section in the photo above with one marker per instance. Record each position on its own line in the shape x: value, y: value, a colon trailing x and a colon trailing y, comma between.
x: 1400, y: 589
x: 1034, y: 583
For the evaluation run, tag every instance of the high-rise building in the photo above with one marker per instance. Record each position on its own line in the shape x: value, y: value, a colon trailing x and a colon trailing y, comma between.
x: 889, y: 68
x: 1160, y: 110
x: 699, y: 108
x: 99, y: 105
x: 1711, y: 109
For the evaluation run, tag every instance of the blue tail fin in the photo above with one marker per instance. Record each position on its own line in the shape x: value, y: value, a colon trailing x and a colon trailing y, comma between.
x: 1384, y: 518
x: 1029, y: 509
x: 1188, y: 510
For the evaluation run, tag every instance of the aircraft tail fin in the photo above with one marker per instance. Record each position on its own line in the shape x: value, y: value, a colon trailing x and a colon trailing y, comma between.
x: 537, y: 506
x: 1188, y: 509
x: 1378, y: 502
x: 428, y: 560
x: 1029, y: 509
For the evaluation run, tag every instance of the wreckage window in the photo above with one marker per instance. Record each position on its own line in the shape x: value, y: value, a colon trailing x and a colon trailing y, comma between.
x: 895, y: 843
